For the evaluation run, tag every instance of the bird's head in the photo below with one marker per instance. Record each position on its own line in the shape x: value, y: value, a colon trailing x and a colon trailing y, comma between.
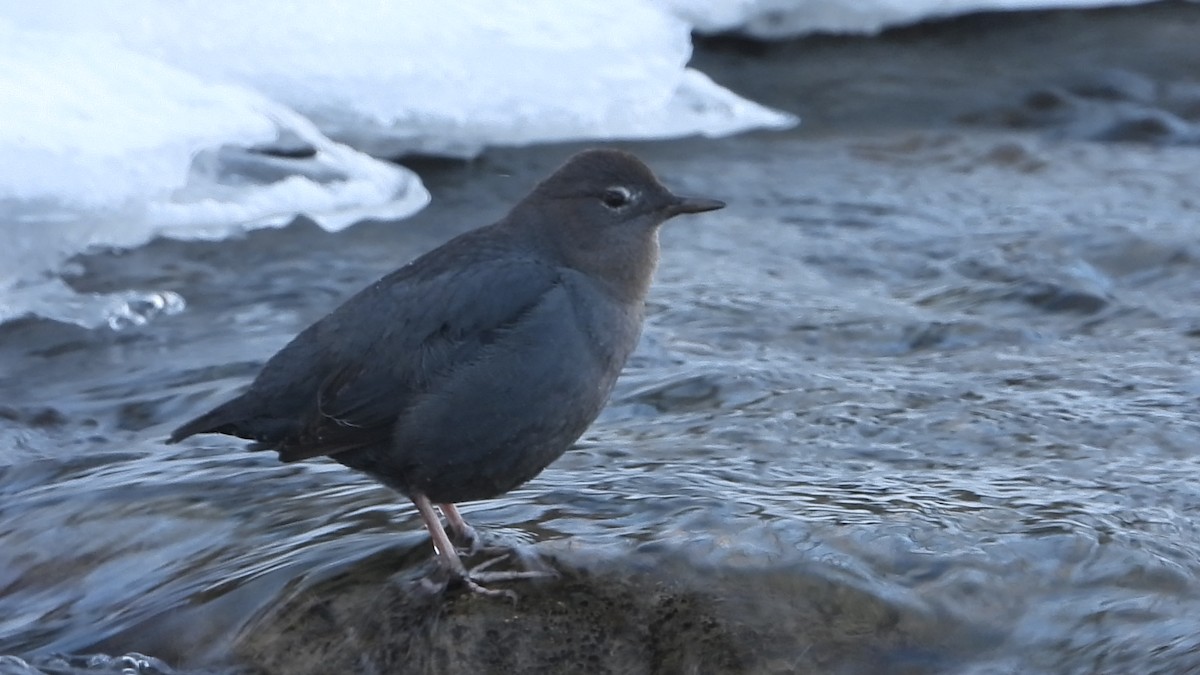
x: 601, y: 211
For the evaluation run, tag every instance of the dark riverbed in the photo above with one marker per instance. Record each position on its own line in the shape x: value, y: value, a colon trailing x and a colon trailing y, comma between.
x: 922, y: 399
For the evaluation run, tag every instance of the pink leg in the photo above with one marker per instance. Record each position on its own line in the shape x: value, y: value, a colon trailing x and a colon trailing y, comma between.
x: 449, y: 559
x: 441, y: 543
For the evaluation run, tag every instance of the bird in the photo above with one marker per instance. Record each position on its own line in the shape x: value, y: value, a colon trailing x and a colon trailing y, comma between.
x: 466, y: 372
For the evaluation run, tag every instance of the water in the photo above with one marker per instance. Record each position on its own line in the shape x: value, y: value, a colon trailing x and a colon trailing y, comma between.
x: 918, y: 400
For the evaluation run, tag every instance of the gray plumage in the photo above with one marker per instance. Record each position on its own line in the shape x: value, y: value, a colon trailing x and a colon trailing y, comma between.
x: 466, y: 372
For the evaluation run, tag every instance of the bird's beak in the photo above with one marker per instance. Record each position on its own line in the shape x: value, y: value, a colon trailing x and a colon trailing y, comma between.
x: 693, y: 205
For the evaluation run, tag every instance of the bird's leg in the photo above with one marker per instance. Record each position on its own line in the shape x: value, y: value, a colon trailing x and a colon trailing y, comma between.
x: 463, y: 532
x: 441, y: 543
x: 453, y: 564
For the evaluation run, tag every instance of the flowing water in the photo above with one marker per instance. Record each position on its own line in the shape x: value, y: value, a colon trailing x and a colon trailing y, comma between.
x: 954, y: 369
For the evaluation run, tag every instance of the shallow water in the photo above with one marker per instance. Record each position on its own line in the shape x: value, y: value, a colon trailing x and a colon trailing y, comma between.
x: 953, y: 368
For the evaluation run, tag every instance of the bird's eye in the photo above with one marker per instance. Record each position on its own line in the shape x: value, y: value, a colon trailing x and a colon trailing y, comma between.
x: 616, y: 197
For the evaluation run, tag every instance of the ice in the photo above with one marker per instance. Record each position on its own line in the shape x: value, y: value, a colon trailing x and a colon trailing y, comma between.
x: 126, y: 121
x: 448, y: 77
x: 88, y: 127
x: 776, y: 19
x: 107, y: 147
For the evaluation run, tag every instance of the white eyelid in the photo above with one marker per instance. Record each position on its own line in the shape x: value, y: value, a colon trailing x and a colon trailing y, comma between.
x: 626, y: 195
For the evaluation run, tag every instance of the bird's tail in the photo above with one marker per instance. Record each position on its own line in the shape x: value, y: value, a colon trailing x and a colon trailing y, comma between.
x: 222, y: 419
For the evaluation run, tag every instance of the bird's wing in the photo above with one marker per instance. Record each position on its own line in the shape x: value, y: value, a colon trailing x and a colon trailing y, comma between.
x: 370, y: 359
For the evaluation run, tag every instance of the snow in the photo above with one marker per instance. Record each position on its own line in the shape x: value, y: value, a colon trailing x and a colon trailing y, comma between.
x: 126, y: 121
x: 777, y: 19
x: 198, y: 119
x: 106, y: 147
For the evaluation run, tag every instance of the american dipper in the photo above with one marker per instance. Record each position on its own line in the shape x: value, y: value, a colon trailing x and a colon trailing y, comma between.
x: 466, y: 372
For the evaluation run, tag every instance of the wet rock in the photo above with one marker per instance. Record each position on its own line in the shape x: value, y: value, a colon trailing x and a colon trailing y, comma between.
x: 1016, y: 155
x: 576, y: 622
x: 43, y: 417
x: 696, y: 391
x: 1183, y: 99
x: 33, y: 337
x: 1113, y: 105
x: 1052, y: 297
x: 1049, y: 282
x: 1051, y: 103
x: 1148, y: 126
x: 1116, y: 84
x: 599, y: 621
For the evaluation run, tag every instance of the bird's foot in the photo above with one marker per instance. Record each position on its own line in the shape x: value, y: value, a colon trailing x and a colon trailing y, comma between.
x: 479, y: 571
x: 448, y: 555
x: 481, y: 574
x: 479, y: 589
x: 478, y: 547
x: 467, y: 541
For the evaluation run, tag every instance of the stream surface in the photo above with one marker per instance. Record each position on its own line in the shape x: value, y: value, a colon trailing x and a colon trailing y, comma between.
x: 941, y: 349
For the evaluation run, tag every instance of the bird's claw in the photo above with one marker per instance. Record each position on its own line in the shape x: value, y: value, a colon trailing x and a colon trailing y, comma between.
x: 479, y: 575
x: 478, y: 588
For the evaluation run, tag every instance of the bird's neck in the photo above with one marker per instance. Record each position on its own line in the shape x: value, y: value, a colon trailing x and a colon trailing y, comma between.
x: 642, y: 273
x: 622, y: 262
x: 625, y: 267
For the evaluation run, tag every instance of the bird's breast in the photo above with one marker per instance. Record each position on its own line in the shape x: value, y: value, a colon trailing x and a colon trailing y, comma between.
x: 609, y: 326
